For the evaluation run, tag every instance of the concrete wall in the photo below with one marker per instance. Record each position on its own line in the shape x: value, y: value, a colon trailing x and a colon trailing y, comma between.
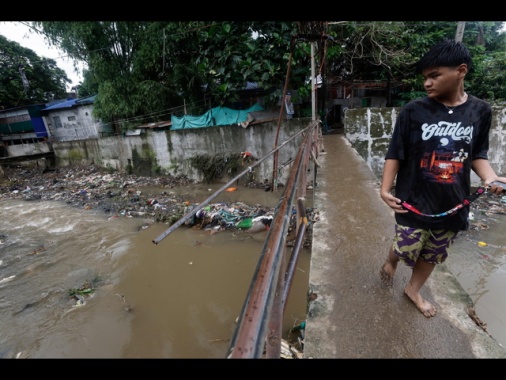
x: 369, y: 131
x: 170, y: 152
x: 27, y: 149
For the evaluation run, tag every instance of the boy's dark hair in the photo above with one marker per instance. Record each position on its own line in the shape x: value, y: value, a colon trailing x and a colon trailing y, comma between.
x: 447, y: 53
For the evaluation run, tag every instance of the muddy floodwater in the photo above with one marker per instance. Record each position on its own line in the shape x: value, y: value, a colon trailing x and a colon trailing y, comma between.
x: 78, y: 283
x: 82, y: 281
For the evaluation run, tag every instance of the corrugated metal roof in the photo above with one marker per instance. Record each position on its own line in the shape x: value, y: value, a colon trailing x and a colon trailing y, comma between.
x: 159, y: 124
x: 66, y: 104
x: 69, y: 103
x: 88, y: 100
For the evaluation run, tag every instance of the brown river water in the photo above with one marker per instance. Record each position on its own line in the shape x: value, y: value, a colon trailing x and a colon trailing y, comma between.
x: 176, y: 299
x: 179, y: 298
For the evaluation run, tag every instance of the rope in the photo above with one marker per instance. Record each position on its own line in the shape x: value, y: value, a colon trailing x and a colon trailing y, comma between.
x: 465, y: 202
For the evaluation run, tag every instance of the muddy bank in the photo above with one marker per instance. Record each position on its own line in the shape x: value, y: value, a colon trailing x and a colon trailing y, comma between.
x: 88, y: 187
x: 161, y: 199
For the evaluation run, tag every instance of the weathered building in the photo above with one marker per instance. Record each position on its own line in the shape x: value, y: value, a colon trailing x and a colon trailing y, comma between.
x: 73, y: 120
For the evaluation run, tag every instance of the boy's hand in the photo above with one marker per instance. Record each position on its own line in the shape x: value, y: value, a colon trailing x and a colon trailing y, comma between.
x: 392, y: 202
x: 497, y: 187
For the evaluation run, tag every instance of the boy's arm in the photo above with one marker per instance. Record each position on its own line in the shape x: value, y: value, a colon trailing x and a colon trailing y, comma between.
x: 390, y: 170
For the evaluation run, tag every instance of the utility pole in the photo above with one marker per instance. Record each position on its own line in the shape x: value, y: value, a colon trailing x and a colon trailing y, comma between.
x: 460, y: 31
x: 313, y: 82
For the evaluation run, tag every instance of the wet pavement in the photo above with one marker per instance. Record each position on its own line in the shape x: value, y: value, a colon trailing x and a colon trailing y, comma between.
x: 353, y: 315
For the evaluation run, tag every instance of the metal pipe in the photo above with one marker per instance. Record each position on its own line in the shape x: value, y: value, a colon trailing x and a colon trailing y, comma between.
x: 284, y: 285
x: 261, y: 317
x: 189, y: 214
x: 313, y: 82
x: 290, y: 270
x: 274, y: 336
x: 250, y: 337
x: 274, y: 184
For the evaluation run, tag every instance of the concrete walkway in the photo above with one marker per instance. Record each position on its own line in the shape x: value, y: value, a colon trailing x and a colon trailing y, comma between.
x: 354, y: 315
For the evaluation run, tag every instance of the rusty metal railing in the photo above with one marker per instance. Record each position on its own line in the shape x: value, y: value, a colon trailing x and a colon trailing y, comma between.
x: 190, y: 214
x: 260, y: 323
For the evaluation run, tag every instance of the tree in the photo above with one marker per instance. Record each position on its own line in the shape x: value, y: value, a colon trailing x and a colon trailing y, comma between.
x: 121, y: 59
x: 26, y: 78
x: 487, y: 43
x: 147, y: 71
x: 153, y: 68
x: 385, y: 50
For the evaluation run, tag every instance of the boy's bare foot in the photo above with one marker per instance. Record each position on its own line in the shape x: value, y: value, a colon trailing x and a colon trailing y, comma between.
x: 387, y: 274
x: 425, y: 307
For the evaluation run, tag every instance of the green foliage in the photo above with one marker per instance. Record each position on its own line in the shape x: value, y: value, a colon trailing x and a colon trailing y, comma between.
x: 487, y: 79
x: 89, y: 86
x: 110, y: 169
x: 162, y: 68
x: 486, y: 43
x: 384, y: 49
x: 44, y: 80
x: 174, y: 167
x: 75, y: 156
x: 145, y: 72
x: 214, y: 167
x: 405, y: 97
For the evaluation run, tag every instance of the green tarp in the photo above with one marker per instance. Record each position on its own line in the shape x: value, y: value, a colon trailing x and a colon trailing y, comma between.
x: 215, y: 117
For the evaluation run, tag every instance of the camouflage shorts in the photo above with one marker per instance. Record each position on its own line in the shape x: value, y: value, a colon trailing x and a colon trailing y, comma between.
x: 430, y: 245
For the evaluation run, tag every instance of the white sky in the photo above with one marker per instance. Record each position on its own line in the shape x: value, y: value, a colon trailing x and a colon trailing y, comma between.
x: 20, y: 33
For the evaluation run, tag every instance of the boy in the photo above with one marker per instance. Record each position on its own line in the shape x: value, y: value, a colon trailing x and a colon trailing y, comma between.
x: 436, y: 142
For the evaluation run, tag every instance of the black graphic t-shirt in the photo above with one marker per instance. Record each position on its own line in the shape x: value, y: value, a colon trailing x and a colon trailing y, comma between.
x: 435, y: 149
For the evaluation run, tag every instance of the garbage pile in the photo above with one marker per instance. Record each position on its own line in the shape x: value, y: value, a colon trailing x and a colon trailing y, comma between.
x: 486, y: 210
x: 118, y: 194
x: 89, y: 187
